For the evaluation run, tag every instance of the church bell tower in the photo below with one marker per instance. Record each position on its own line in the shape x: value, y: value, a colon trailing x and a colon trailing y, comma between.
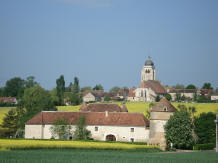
x: 148, y: 71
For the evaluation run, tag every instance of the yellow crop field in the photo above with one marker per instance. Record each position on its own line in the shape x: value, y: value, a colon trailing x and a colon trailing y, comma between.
x: 10, y: 144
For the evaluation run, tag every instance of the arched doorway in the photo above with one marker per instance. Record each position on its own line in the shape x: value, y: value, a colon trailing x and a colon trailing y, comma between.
x: 110, y: 138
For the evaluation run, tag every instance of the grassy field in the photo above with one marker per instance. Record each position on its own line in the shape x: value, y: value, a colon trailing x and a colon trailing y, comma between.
x: 106, y: 156
x: 13, y: 144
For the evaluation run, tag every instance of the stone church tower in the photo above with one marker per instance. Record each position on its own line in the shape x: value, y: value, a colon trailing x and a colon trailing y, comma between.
x: 148, y: 71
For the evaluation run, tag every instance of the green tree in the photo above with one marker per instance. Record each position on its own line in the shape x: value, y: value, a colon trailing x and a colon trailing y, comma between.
x: 191, y: 86
x: 54, y: 96
x: 98, y: 87
x: 87, y: 88
x: 76, y: 89
x: 207, y: 86
x: 10, y: 121
x: 30, y: 82
x: 15, y: 87
x: 179, y: 86
x: 179, y: 130
x: 2, y: 92
x: 157, y: 99
x: 35, y: 100
x: 61, y: 128
x: 205, y: 128
x: 115, y: 89
x: 107, y: 98
x: 168, y: 97
x: 81, y: 133
x: 60, y: 89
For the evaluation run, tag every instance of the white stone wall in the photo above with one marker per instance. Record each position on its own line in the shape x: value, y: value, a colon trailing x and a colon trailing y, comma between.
x: 122, y: 133
x: 89, y: 97
x: 187, y: 95
x: 214, y: 97
x: 145, y: 95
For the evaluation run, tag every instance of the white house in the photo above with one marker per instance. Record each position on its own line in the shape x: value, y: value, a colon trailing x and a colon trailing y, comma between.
x: 103, y: 125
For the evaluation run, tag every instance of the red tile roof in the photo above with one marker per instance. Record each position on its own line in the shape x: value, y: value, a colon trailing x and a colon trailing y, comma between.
x: 154, y: 85
x: 101, y: 107
x: 92, y: 118
x: 182, y: 90
x: 131, y: 92
x: 8, y: 99
x: 162, y: 104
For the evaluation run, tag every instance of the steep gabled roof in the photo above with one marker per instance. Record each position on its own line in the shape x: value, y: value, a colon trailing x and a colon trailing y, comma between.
x: 101, y: 107
x: 92, y: 118
x: 154, y: 85
x: 163, y: 106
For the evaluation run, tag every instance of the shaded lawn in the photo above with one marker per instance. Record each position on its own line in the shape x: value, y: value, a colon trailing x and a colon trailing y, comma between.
x: 105, y: 156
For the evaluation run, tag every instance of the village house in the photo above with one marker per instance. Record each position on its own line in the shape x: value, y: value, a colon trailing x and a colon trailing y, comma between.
x: 8, y: 100
x: 93, y: 96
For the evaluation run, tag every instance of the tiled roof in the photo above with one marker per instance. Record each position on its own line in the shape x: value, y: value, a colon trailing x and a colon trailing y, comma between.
x: 96, y: 93
x: 101, y: 107
x: 154, y: 85
x: 182, y: 91
x: 163, y: 104
x: 92, y: 118
x: 8, y: 99
x: 131, y: 92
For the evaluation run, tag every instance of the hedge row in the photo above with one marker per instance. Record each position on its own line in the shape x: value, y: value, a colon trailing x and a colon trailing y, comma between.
x: 204, y: 147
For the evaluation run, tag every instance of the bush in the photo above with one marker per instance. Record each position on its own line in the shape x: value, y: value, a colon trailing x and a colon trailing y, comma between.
x: 204, y: 146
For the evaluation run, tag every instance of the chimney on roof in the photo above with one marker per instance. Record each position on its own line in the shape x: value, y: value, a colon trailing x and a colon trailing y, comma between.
x: 106, y: 113
x: 124, y: 108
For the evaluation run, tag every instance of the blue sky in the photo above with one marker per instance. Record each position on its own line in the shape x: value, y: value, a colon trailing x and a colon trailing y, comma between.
x: 107, y: 41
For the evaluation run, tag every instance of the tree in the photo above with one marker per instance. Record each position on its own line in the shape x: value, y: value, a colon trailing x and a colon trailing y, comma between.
x: 217, y: 90
x: 191, y: 86
x: 61, y: 128
x: 179, y: 86
x: 76, y: 89
x: 30, y: 82
x: 205, y: 128
x: 35, y: 100
x: 207, y: 86
x: 60, y: 89
x: 54, y: 96
x: 15, y: 87
x: 168, y: 97
x: 81, y: 133
x: 179, y: 130
x: 98, y: 87
x: 10, y: 121
x: 2, y: 92
x: 107, y: 98
x: 115, y: 89
x: 157, y: 99
x: 178, y: 97
x: 87, y: 88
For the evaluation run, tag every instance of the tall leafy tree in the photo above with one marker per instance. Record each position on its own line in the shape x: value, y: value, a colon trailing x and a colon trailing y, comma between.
x: 191, y: 86
x: 115, y: 89
x: 179, y: 130
x: 10, y: 120
x: 87, y: 88
x: 81, y: 133
x: 30, y: 82
x: 2, y: 92
x: 207, y: 86
x: 98, y: 87
x: 76, y: 89
x: 179, y: 86
x: 60, y: 89
x: 168, y: 97
x: 205, y: 128
x: 15, y: 87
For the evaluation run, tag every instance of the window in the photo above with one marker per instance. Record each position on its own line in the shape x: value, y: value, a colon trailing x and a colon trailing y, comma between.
x: 165, y: 108
x: 96, y: 128
x: 132, y: 129
x: 132, y: 140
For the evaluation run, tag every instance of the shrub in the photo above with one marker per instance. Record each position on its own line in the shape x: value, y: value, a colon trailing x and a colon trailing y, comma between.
x: 204, y: 146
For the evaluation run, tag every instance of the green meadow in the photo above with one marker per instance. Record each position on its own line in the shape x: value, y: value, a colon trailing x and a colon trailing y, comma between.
x: 106, y: 156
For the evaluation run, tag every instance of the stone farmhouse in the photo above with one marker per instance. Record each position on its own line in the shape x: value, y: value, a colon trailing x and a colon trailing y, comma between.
x: 108, y: 122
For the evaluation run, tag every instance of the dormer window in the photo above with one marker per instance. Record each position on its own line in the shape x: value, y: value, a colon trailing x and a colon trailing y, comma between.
x: 165, y: 108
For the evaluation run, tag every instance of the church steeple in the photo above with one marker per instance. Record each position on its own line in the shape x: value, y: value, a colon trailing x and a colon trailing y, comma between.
x: 148, y: 70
